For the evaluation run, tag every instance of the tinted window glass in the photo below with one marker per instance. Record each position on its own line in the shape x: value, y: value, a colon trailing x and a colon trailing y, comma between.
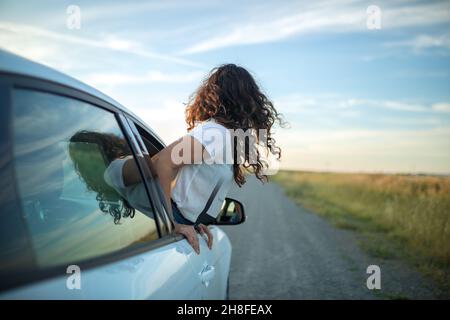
x: 62, y: 148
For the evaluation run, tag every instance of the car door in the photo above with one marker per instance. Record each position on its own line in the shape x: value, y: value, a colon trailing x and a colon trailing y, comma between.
x: 60, y: 147
x: 208, y: 269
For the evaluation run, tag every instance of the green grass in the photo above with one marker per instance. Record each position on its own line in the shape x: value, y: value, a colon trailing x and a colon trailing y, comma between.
x: 395, y: 216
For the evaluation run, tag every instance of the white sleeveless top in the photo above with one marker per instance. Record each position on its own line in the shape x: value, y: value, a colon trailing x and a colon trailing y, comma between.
x: 195, y: 182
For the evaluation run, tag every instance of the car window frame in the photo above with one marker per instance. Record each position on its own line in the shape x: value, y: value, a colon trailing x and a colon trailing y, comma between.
x: 140, y: 156
x: 142, y: 131
x: 10, y: 82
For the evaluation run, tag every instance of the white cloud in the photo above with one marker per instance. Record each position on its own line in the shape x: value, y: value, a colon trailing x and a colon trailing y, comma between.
x: 274, y: 29
x: 441, y: 107
x: 414, y: 14
x: 423, y: 42
x: 335, y: 16
x: 426, y: 41
x: 115, y: 78
x: 295, y: 103
x: 119, y: 10
x: 387, y: 104
x: 26, y: 39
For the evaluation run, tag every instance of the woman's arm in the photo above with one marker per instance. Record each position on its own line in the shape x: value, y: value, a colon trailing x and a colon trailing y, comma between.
x: 167, y: 163
x: 167, y: 169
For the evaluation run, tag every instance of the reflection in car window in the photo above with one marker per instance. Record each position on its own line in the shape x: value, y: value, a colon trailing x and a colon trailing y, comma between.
x: 62, y: 148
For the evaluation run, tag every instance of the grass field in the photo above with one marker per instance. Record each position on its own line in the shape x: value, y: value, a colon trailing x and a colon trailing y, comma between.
x: 401, y: 216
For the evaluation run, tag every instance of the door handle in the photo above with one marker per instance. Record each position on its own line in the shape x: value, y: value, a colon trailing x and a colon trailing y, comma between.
x: 207, y: 274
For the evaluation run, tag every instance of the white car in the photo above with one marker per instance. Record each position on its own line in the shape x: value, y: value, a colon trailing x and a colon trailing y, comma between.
x: 65, y: 233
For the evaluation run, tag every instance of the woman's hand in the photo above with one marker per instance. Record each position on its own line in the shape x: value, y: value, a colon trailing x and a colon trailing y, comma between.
x: 202, y: 229
x: 190, y: 234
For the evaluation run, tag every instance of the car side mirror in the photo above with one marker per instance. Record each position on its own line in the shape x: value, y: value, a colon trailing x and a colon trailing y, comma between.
x: 232, y: 213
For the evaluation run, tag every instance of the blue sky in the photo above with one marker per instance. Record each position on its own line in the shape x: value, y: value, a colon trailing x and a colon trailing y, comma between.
x: 356, y: 99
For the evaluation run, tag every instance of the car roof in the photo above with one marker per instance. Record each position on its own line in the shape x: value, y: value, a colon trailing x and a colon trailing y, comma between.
x: 14, y: 64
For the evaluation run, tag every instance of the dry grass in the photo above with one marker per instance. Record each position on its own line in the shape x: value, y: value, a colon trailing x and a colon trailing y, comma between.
x: 411, y: 212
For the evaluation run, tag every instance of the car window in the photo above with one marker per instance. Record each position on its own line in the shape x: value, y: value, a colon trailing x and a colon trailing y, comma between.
x: 152, y: 147
x: 68, y: 159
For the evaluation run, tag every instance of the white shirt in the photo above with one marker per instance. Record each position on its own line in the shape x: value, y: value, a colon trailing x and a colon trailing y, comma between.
x: 194, y: 182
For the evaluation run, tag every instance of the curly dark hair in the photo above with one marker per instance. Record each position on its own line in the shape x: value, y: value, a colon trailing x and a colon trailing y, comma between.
x: 232, y: 98
x: 90, y: 163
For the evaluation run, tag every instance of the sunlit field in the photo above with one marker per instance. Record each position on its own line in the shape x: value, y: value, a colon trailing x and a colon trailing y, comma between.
x: 399, y: 215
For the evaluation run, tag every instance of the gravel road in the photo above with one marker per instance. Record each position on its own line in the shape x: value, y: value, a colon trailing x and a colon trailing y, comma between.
x: 283, y: 251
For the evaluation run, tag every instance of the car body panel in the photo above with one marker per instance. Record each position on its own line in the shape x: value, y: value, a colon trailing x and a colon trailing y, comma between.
x: 168, y: 272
